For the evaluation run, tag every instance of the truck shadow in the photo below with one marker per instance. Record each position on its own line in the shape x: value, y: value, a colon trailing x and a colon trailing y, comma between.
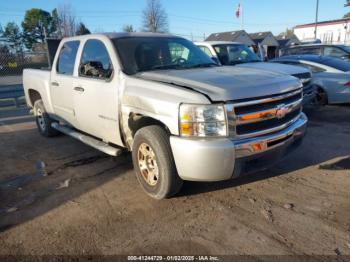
x: 36, y: 177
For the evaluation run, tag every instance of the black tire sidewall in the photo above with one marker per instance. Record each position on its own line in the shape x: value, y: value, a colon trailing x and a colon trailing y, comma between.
x: 166, y: 184
x: 321, y: 93
x: 48, y: 131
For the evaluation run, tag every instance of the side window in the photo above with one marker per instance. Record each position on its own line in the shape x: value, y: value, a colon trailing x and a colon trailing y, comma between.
x: 206, y: 50
x: 95, y: 61
x: 178, y: 51
x: 66, y: 59
x: 333, y: 51
x: 311, y: 51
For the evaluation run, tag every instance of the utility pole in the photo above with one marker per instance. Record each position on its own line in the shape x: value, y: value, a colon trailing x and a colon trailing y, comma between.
x: 316, y: 22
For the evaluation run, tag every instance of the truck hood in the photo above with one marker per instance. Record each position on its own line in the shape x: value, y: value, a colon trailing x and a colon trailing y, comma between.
x: 275, y: 67
x: 226, y: 83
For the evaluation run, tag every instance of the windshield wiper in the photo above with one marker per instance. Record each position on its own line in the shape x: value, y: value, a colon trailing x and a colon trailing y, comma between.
x: 203, y: 65
x: 238, y: 62
x: 244, y: 62
x: 165, y: 67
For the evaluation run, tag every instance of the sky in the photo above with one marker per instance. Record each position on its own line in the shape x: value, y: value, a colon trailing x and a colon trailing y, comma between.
x: 194, y: 19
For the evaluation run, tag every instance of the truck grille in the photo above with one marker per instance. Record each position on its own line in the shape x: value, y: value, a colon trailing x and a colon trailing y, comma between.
x: 257, y: 117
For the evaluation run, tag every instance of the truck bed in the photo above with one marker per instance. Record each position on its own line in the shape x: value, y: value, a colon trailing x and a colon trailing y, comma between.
x: 37, y: 80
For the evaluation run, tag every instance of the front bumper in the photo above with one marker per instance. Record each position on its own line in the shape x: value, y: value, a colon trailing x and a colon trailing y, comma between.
x: 224, y: 158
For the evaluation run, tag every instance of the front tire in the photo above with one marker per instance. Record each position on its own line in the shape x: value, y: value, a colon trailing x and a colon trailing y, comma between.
x: 43, y: 121
x: 154, y: 164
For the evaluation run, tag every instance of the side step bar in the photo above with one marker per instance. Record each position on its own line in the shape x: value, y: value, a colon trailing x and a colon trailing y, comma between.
x: 88, y: 140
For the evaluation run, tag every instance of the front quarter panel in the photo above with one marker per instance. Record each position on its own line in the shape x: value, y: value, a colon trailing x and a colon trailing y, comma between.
x: 156, y: 100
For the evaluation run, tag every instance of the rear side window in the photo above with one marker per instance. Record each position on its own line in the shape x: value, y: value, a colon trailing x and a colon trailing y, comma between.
x: 311, y: 51
x: 95, y: 61
x: 66, y: 59
x: 303, y: 51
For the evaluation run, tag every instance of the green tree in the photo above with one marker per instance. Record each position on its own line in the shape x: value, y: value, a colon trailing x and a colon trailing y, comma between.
x: 82, y: 29
x: 347, y: 3
x: 13, y: 33
x: 57, y: 23
x: 128, y: 28
x: 37, y: 25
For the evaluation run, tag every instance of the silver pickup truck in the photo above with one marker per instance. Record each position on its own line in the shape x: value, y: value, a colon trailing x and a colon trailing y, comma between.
x: 159, y: 96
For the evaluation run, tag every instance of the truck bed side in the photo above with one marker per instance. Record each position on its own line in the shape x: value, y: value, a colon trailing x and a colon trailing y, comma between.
x: 37, y: 82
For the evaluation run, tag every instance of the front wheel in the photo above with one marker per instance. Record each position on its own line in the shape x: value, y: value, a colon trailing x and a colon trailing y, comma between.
x: 154, y: 164
x: 43, y: 121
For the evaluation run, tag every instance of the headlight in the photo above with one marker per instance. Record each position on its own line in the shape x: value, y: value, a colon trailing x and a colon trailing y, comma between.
x: 202, y: 120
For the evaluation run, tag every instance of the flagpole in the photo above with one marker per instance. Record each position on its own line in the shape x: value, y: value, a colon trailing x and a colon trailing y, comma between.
x: 242, y: 18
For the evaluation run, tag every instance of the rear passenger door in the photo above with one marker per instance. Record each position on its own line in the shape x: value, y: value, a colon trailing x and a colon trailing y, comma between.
x: 62, y: 82
x: 96, y: 91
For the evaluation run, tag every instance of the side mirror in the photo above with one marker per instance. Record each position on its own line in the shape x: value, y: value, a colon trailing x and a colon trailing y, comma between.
x: 216, y: 60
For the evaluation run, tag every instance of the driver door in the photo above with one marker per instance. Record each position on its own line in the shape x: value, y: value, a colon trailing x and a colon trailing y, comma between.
x: 95, y: 93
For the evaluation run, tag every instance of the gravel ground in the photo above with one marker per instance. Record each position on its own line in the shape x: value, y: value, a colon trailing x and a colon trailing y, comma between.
x: 59, y: 196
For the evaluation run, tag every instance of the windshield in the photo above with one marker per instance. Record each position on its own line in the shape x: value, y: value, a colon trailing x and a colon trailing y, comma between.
x: 139, y: 54
x: 235, y: 54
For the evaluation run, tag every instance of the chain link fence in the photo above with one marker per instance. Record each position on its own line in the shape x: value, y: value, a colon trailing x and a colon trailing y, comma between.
x: 13, y: 63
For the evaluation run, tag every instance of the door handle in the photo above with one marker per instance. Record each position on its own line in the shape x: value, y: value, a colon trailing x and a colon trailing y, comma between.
x: 55, y: 84
x: 79, y: 89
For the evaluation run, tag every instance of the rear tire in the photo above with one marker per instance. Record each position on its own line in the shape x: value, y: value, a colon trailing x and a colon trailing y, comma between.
x: 43, y: 120
x: 154, y: 163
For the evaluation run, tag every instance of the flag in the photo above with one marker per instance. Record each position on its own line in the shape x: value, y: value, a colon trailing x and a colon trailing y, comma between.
x: 238, y: 11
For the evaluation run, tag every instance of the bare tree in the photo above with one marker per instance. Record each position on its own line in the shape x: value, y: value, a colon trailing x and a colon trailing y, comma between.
x: 128, y: 28
x: 155, y: 19
x: 66, y: 21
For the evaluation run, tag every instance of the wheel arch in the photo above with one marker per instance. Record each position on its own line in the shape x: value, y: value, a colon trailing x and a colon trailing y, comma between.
x: 34, y: 96
x: 137, y: 121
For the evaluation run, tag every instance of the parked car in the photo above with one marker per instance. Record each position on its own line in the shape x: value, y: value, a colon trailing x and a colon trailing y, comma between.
x: 337, y: 51
x: 331, y: 76
x: 159, y: 96
x: 240, y: 55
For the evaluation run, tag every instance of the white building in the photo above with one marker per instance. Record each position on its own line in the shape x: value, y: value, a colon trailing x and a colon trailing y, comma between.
x: 330, y: 32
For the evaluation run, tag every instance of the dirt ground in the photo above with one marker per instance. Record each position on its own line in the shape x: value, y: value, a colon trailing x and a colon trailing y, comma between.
x: 59, y: 196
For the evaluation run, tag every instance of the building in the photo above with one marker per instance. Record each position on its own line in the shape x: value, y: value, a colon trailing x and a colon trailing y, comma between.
x: 287, y: 40
x: 268, y: 41
x: 329, y: 32
x: 240, y: 36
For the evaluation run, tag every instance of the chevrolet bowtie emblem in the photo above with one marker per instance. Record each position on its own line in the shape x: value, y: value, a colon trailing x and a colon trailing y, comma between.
x: 281, y: 111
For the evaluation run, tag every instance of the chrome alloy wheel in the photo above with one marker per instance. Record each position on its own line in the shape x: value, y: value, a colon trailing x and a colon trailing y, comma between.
x: 41, y: 120
x: 148, y: 164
